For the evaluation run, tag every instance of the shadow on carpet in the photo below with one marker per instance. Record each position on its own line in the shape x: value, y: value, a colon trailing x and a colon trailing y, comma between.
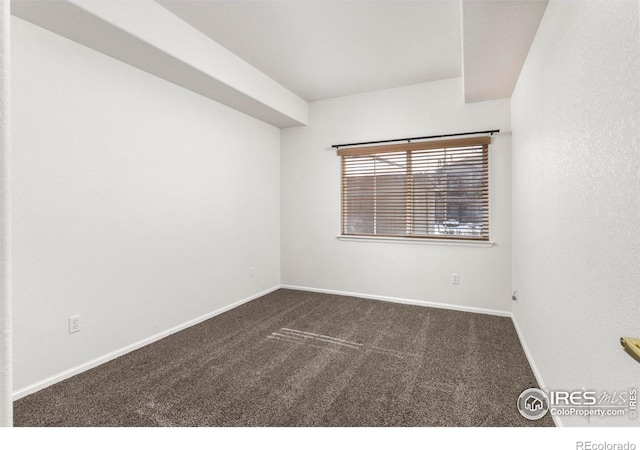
x: 295, y: 358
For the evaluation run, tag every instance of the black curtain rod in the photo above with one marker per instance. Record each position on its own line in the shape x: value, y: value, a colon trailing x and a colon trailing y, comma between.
x: 417, y: 138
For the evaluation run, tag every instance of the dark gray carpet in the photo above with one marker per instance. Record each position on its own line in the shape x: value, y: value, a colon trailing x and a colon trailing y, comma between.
x: 303, y: 359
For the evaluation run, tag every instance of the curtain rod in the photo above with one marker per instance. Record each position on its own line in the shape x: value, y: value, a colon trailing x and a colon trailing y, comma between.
x: 416, y: 138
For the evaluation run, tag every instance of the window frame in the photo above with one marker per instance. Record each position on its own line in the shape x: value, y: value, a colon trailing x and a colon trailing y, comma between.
x: 411, y: 211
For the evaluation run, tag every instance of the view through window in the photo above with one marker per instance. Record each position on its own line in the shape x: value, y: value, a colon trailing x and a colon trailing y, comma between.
x: 422, y: 190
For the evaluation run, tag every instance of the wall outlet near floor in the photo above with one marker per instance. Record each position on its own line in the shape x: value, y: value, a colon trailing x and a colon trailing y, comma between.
x: 74, y: 324
x: 455, y: 278
x: 252, y: 272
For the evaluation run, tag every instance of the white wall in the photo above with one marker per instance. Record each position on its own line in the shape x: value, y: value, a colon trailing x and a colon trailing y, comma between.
x: 6, y: 406
x: 138, y: 204
x: 312, y: 257
x: 576, y: 197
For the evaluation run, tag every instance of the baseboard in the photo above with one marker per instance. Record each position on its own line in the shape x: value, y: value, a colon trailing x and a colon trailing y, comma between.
x: 123, y: 351
x: 493, y: 312
x: 120, y: 352
x: 534, y: 367
x: 405, y: 301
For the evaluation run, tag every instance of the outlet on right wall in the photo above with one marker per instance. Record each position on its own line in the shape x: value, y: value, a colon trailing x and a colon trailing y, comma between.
x: 576, y: 199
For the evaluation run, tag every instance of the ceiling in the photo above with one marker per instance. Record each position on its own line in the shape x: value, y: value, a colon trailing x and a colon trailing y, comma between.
x: 321, y: 49
x: 325, y: 49
x: 269, y: 58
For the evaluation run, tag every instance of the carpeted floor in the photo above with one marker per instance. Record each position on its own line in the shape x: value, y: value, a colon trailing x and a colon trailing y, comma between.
x: 296, y: 358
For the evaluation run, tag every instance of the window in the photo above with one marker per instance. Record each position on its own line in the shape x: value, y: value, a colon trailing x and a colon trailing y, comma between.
x: 436, y: 189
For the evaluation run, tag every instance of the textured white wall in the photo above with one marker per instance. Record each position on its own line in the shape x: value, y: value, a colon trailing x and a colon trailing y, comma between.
x: 310, y: 171
x: 6, y: 406
x: 138, y: 204
x: 576, y: 197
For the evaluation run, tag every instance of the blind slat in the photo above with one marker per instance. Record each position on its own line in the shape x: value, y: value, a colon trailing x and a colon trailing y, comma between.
x: 423, y: 190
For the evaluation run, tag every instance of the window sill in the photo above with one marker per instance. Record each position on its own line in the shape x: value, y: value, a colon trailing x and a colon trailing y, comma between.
x: 402, y: 240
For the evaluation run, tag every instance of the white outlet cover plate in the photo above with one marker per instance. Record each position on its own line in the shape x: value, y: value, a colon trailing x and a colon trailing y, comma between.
x: 74, y: 324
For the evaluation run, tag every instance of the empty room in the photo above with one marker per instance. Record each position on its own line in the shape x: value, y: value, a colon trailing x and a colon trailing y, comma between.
x: 320, y: 214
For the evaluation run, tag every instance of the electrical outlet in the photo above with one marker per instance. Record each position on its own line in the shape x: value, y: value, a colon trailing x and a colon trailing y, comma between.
x: 455, y: 278
x: 74, y: 324
x: 252, y: 272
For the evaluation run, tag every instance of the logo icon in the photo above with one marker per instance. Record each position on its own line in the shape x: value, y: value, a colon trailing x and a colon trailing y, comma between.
x: 533, y: 404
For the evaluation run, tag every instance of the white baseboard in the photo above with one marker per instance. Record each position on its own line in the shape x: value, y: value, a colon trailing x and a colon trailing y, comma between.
x: 129, y: 348
x: 117, y: 353
x: 493, y: 312
x: 534, y: 367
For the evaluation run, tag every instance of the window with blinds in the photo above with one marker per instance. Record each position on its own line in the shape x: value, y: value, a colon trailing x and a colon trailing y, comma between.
x: 437, y: 189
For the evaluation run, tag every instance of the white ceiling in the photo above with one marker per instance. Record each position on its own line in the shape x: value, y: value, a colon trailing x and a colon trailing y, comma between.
x: 325, y: 49
x: 265, y: 58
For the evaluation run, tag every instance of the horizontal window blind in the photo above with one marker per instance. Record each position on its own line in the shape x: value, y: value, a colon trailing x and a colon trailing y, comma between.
x: 436, y: 189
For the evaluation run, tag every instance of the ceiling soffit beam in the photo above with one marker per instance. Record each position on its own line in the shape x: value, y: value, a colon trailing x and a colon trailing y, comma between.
x: 145, y: 35
x: 496, y: 37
